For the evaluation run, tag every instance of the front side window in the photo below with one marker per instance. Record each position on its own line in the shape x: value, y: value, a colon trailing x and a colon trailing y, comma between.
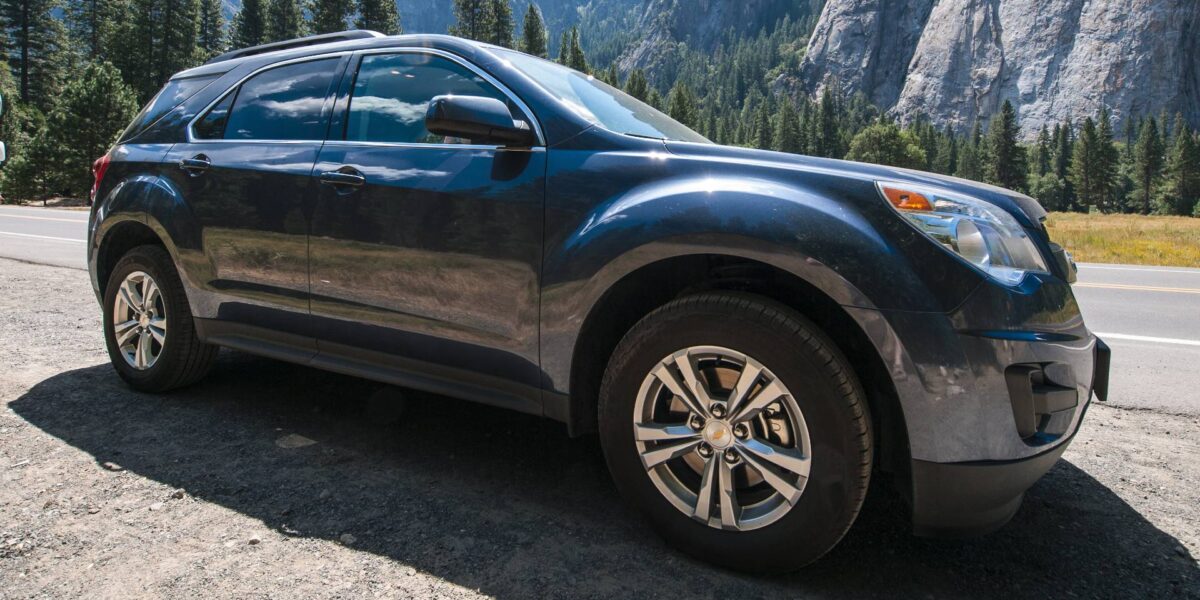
x: 284, y: 103
x: 392, y: 93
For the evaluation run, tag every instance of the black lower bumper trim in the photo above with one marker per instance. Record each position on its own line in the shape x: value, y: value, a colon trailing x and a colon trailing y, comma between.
x: 965, y: 499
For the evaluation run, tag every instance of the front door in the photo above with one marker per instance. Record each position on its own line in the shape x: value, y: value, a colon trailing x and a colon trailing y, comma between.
x: 425, y: 251
x: 246, y: 174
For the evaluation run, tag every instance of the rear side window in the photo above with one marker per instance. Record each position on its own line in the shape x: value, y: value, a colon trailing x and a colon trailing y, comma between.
x: 392, y: 93
x: 173, y: 94
x: 284, y: 103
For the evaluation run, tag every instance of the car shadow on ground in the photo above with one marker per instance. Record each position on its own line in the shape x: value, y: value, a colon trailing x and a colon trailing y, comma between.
x: 508, y: 504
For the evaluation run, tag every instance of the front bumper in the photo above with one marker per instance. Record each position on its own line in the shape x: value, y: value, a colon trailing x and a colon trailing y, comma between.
x: 976, y: 497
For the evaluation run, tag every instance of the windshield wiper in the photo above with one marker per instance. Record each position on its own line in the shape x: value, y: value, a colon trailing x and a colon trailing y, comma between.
x: 647, y: 137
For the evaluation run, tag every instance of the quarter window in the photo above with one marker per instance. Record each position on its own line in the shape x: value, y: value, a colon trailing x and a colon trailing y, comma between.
x: 392, y: 93
x: 285, y: 103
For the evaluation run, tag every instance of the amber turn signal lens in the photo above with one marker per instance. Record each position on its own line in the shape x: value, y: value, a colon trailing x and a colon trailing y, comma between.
x: 906, y: 200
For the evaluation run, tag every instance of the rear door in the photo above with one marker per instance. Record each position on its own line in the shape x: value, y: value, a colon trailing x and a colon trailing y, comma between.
x: 247, y: 174
x: 426, y: 251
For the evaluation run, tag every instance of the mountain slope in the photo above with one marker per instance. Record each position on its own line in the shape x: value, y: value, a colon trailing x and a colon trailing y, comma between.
x: 959, y: 60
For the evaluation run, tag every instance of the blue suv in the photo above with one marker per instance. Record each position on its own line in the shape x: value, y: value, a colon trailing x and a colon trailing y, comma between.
x: 754, y: 336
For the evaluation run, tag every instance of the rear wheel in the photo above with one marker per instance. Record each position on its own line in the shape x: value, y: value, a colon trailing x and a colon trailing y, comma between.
x: 738, y: 428
x: 148, y: 325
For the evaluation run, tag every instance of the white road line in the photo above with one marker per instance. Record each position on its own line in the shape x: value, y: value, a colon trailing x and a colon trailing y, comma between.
x: 1146, y: 338
x: 43, y: 237
x: 1083, y: 267
x: 4, y: 215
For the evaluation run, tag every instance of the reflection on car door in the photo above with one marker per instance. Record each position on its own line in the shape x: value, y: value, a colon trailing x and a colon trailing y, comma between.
x: 246, y: 173
x: 425, y: 253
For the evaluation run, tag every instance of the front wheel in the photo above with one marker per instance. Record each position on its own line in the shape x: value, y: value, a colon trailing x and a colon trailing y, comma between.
x: 739, y: 429
x: 148, y: 324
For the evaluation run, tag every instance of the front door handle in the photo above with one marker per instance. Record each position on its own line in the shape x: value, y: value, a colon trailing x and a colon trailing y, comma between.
x: 196, y: 164
x: 345, y: 176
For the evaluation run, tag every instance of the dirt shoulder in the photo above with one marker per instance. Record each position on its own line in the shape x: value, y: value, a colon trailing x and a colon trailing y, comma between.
x: 273, y: 480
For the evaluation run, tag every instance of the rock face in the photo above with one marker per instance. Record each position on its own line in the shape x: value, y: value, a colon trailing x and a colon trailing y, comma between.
x: 959, y: 60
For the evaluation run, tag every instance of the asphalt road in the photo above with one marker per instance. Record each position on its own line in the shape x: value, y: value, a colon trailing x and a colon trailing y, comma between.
x: 1150, y: 316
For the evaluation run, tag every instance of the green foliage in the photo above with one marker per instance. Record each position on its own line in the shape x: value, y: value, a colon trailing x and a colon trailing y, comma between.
x: 681, y: 105
x: 789, y: 137
x: 636, y: 85
x: 1147, y: 164
x: 887, y: 144
x: 210, y: 29
x: 36, y: 46
x: 93, y: 23
x: 378, y: 15
x: 970, y: 155
x: 250, y: 24
x: 285, y: 20
x: 72, y: 143
x: 533, y: 32
x: 1181, y: 191
x: 473, y: 19
x: 330, y: 16
x: 157, y: 41
x: 575, y: 57
x: 1007, y: 166
x: 1050, y: 190
x: 502, y: 24
x: 1086, y: 164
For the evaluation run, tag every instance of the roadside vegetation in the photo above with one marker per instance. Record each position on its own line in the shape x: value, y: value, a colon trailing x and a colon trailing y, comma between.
x: 1128, y: 239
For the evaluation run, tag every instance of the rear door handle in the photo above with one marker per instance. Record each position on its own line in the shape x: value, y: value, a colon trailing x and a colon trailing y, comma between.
x: 345, y: 176
x: 196, y: 164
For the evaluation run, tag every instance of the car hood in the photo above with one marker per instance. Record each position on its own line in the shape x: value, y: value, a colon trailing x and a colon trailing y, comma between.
x: 1025, y: 209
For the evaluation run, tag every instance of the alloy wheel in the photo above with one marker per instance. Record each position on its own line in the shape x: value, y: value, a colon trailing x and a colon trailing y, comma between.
x: 140, y: 320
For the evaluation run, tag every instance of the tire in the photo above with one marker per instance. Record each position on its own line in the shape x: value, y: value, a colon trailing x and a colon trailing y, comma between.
x: 829, y: 409
x: 181, y: 358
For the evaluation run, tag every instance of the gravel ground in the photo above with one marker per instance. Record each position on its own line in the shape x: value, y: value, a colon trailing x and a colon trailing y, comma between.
x: 274, y: 480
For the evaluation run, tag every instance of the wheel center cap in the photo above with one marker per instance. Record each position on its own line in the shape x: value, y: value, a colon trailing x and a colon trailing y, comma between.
x: 144, y: 320
x: 718, y: 434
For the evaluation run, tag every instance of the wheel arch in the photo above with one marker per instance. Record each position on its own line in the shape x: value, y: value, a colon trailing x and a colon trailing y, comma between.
x: 651, y: 285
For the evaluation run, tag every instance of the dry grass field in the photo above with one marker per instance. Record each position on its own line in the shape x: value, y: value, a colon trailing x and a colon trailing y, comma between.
x: 1128, y: 239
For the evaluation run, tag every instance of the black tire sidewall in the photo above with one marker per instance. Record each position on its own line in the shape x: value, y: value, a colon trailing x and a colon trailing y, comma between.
x: 155, y: 262
x: 835, y: 487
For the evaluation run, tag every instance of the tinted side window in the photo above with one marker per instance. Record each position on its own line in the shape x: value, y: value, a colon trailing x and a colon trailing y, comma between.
x: 392, y: 93
x: 212, y: 125
x: 284, y: 103
x: 173, y: 94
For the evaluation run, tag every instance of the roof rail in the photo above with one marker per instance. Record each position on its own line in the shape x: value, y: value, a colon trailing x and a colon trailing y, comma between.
x: 312, y: 40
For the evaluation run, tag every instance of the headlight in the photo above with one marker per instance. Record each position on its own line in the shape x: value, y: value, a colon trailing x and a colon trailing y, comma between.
x: 979, y: 232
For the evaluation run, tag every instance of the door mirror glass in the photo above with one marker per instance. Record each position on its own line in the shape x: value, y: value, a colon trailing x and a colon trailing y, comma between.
x: 3, y: 153
x: 476, y: 118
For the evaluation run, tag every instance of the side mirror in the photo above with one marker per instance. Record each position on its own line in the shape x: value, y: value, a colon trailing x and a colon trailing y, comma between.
x: 3, y: 153
x: 478, y: 119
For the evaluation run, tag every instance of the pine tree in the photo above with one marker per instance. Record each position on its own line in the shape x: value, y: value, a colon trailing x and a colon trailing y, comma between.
x: 285, y: 20
x: 1182, y: 191
x: 1148, y: 163
x: 788, y: 138
x: 210, y: 29
x: 564, y: 48
x: 1086, y: 162
x: 1039, y: 163
x: 1007, y: 164
x: 636, y: 85
x: 829, y: 143
x: 378, y: 15
x: 1109, y: 162
x: 93, y: 23
x: 764, y: 136
x: 654, y: 99
x: 681, y: 105
x: 887, y: 144
x: 330, y: 16
x: 970, y: 161
x: 575, y: 58
x: 36, y: 47
x: 611, y: 76
x: 533, y: 32
x: 473, y: 19
x: 946, y: 159
x: 502, y: 24
x: 250, y: 24
x: 71, y: 143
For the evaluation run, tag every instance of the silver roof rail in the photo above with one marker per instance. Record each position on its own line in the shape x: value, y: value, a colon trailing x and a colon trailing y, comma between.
x: 312, y: 40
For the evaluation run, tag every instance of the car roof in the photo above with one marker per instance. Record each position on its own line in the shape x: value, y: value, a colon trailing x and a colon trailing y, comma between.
x: 465, y: 48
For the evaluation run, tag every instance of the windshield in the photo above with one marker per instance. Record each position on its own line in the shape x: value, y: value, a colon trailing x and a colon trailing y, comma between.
x: 601, y: 103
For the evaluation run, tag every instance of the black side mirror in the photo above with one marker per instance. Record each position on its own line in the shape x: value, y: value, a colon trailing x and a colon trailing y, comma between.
x: 477, y: 118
